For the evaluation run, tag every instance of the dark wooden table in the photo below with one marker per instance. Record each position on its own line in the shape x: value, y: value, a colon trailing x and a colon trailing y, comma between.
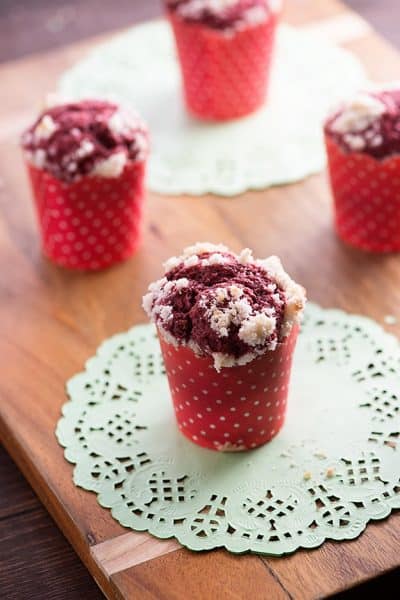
x: 35, y: 559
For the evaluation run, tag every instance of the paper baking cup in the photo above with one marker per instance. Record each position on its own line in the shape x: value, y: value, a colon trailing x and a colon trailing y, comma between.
x: 92, y: 223
x: 236, y: 409
x: 224, y: 76
x: 366, y: 195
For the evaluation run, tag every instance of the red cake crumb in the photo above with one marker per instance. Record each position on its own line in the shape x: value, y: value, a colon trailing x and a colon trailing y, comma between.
x: 91, y: 137
x: 191, y: 319
x: 369, y: 123
x: 229, y: 306
x: 222, y: 14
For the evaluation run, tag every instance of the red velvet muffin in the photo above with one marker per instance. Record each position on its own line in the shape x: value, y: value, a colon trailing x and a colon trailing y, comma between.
x: 86, y: 161
x: 227, y: 326
x: 225, y: 49
x: 363, y: 145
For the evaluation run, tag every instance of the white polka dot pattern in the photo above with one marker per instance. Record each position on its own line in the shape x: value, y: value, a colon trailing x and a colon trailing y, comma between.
x: 238, y: 413
x: 367, y: 199
x: 92, y: 223
x: 224, y: 76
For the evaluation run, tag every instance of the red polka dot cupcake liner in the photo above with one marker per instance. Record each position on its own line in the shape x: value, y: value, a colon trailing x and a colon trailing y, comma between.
x: 92, y: 223
x: 366, y: 195
x: 224, y: 77
x: 238, y: 408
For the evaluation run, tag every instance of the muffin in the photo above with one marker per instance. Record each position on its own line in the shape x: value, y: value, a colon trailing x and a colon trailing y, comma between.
x: 227, y: 326
x: 86, y: 162
x: 363, y: 144
x: 225, y: 49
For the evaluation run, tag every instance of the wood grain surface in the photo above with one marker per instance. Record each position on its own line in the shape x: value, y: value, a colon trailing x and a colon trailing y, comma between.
x: 27, y: 26
x: 212, y: 575
x: 34, y: 563
x: 52, y: 321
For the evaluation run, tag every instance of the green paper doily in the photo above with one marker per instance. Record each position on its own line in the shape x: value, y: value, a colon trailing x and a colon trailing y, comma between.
x: 334, y: 466
x: 280, y: 143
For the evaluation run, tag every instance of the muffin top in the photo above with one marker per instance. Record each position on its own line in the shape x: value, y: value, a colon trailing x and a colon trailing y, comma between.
x: 91, y: 137
x: 231, y: 307
x: 224, y: 14
x: 368, y: 123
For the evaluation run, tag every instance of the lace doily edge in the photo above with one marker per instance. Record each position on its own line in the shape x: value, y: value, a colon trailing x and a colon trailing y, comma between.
x: 311, y: 542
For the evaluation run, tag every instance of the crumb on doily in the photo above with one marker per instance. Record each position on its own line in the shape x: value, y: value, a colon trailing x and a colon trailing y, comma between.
x: 391, y: 444
x: 320, y: 454
x: 390, y: 319
x: 307, y: 475
x: 330, y: 472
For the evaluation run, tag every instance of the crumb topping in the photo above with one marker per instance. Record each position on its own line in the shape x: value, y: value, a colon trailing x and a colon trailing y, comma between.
x: 224, y: 14
x: 231, y: 307
x: 369, y: 122
x: 91, y: 137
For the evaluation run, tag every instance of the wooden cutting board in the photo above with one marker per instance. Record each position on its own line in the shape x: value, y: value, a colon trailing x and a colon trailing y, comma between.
x: 51, y: 321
